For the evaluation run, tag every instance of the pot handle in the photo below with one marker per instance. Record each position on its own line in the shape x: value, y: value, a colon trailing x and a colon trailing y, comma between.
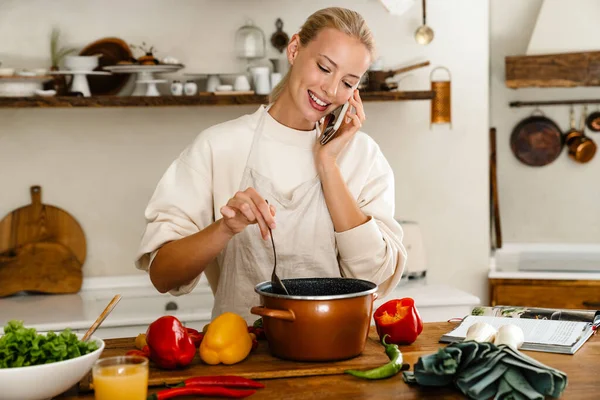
x: 286, y: 315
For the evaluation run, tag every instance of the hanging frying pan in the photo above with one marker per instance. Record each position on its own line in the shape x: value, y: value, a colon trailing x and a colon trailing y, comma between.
x: 581, y: 148
x: 537, y: 140
x: 593, y: 121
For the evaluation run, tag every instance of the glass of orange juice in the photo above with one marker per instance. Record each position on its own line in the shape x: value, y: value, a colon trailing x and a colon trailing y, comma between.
x: 121, y: 378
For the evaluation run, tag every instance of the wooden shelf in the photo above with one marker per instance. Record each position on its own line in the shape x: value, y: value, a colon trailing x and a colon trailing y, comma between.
x: 203, y: 99
x: 553, y: 70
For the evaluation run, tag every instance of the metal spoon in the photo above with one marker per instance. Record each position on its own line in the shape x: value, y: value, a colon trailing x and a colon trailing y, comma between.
x: 276, y: 283
x: 424, y: 34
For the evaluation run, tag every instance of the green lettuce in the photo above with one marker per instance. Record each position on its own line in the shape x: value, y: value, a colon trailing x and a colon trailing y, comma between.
x: 22, y: 347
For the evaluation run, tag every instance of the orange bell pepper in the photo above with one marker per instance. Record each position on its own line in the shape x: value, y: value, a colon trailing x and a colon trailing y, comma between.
x: 400, y: 320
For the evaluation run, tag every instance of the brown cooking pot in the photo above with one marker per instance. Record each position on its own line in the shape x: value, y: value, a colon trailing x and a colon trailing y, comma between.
x: 536, y: 140
x: 322, y: 319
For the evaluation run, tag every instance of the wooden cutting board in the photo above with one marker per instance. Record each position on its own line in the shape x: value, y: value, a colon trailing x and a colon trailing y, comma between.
x: 42, y: 249
x: 260, y: 364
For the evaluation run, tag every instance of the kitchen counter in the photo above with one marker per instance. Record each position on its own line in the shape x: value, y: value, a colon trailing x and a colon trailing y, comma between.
x: 580, y: 369
x: 141, y: 304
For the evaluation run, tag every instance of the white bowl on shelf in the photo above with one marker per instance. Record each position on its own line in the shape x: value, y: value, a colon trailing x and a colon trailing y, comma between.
x: 7, y: 71
x: 81, y: 63
x: 41, y: 382
x: 19, y: 88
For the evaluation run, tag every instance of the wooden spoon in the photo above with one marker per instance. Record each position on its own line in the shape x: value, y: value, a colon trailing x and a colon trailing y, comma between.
x: 102, y: 317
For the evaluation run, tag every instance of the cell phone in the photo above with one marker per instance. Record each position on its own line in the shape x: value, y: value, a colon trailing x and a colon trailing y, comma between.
x: 333, y: 122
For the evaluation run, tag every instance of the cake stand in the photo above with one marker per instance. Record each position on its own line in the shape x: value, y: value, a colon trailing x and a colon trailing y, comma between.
x: 145, y: 74
x: 79, y: 82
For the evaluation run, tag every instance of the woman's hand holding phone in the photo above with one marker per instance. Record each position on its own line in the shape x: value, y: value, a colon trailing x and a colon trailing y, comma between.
x: 351, y: 123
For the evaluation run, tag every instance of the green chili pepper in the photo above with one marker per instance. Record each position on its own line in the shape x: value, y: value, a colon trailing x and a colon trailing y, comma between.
x: 385, y: 371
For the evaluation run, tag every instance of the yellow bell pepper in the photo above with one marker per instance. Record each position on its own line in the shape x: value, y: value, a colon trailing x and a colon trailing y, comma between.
x: 226, y: 340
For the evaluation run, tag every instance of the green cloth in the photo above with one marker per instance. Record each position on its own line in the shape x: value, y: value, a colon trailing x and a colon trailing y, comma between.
x: 481, y: 370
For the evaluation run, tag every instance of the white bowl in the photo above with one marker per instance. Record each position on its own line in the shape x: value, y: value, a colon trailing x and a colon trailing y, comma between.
x: 7, y: 71
x: 41, y: 382
x: 81, y: 63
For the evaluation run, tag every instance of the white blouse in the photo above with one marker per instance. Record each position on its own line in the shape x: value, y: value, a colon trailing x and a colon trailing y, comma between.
x: 208, y: 173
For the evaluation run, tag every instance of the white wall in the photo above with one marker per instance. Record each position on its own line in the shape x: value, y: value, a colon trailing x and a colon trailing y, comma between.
x: 557, y: 203
x: 102, y: 165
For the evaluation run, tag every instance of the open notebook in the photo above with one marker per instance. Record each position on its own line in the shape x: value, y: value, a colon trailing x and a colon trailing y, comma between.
x: 548, y: 330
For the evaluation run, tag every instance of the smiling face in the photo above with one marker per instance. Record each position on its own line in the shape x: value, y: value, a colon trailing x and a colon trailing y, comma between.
x: 325, y: 72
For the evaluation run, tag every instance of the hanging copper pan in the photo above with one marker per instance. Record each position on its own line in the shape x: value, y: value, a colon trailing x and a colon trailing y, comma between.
x: 593, y: 121
x: 536, y: 140
x: 581, y: 148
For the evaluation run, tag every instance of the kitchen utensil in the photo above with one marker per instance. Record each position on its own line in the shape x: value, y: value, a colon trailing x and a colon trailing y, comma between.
x: 224, y: 88
x: 278, y: 286
x: 42, y: 249
x: 494, y: 201
x: 81, y: 63
x: 593, y: 121
x: 241, y: 83
x: 275, y: 79
x: 144, y: 73
x: 261, y: 80
x: 151, y: 88
x: 190, y: 88
x: 114, y: 51
x: 325, y: 319
x: 536, y: 140
x: 573, y: 132
x: 38, y: 222
x: 279, y: 39
x: 79, y: 83
x: 176, y: 88
x: 424, y: 34
x: 416, y: 264
x: 115, y: 300
x: 21, y: 86
x: 250, y: 42
x: 40, y: 268
x: 212, y: 83
x: 581, y: 148
x: 376, y: 78
x: 259, y: 365
x: 397, y: 7
x: 441, y: 104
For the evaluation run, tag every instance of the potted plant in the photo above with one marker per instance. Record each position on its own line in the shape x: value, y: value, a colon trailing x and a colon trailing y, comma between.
x: 57, y: 54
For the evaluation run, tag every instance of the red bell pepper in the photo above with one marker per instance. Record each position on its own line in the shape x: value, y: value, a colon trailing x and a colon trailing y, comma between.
x: 400, y: 320
x: 195, y: 335
x: 169, y: 343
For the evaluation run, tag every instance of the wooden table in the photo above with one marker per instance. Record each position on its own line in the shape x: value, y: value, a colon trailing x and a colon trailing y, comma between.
x: 581, y: 369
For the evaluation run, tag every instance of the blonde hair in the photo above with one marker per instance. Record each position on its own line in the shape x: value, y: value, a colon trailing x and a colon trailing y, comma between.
x: 344, y: 20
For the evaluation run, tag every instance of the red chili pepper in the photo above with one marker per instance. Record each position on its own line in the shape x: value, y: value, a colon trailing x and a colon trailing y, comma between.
x: 169, y: 343
x: 216, y: 391
x: 400, y: 320
x: 220, y: 380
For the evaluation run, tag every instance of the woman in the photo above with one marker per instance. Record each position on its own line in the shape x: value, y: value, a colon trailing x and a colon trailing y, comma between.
x: 330, y: 207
